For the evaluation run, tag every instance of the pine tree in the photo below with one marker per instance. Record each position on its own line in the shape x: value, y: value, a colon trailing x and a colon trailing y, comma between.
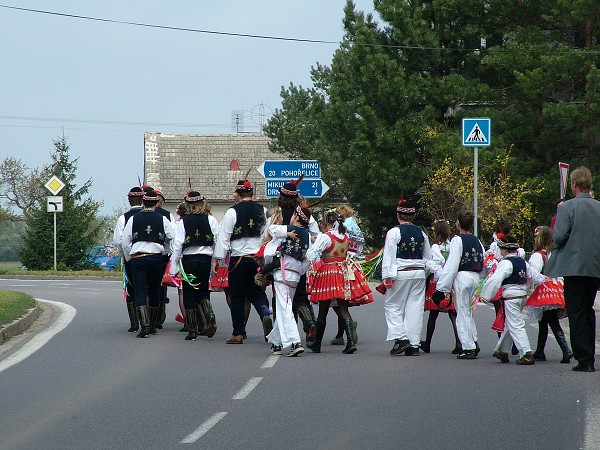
x: 77, y: 227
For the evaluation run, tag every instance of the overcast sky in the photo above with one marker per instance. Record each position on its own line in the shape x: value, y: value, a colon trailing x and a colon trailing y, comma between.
x: 97, y: 80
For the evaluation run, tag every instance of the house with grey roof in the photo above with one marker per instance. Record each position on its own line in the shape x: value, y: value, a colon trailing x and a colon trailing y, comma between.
x: 213, y: 163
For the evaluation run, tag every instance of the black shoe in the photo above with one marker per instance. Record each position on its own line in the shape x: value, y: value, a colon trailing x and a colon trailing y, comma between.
x: 426, y: 346
x: 296, y: 349
x: 400, y: 346
x: 477, y: 349
x: 583, y: 368
x: 412, y: 351
x: 566, y: 359
x: 457, y: 350
x: 503, y: 357
x: 467, y: 354
x: 276, y: 349
x: 539, y: 355
x: 514, y: 350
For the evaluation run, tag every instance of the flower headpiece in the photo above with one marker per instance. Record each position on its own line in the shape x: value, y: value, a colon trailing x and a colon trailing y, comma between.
x: 405, y: 207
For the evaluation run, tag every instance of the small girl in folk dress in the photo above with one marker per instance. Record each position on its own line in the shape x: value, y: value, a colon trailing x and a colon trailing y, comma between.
x: 547, y: 303
x: 335, y: 282
x: 440, y: 250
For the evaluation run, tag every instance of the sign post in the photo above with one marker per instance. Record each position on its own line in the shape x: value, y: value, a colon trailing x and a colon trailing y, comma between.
x: 476, y: 132
x: 279, y: 172
x: 563, y: 170
x: 54, y: 204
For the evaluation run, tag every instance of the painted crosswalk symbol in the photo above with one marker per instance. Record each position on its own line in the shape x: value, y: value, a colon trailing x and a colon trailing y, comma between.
x: 477, y: 132
x: 476, y: 135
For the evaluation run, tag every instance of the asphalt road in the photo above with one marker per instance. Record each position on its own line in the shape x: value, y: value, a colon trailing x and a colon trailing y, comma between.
x: 95, y: 386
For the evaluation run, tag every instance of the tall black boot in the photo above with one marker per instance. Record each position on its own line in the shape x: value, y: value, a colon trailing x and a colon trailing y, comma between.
x: 308, y: 324
x: 211, y: 320
x: 143, y: 319
x: 316, y: 346
x: 162, y: 315
x: 539, y: 354
x: 134, y: 323
x: 154, y: 317
x: 350, y: 347
x: 564, y: 346
x: 192, y: 324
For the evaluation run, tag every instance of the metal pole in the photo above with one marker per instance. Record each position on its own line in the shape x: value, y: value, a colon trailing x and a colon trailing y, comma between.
x: 475, y: 178
x: 54, y: 241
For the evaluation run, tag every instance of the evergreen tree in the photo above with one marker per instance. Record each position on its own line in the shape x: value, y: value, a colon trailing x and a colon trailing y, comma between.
x: 77, y: 227
x: 387, y: 112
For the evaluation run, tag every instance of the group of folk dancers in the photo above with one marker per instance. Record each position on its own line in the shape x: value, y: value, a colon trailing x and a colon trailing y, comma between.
x: 251, y: 249
x: 463, y: 273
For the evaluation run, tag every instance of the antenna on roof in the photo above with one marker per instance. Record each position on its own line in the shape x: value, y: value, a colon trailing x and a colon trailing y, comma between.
x: 190, y: 183
x: 139, y: 181
x: 237, y: 121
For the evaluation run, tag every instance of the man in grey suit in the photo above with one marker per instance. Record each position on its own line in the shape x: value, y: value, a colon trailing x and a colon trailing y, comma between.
x: 577, y: 258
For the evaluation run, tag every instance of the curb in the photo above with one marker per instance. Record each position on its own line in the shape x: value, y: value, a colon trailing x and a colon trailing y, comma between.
x: 19, y: 325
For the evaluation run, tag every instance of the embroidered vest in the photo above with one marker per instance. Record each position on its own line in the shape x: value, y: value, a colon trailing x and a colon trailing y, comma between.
x: 197, y: 231
x: 164, y: 213
x: 131, y: 212
x: 250, y: 219
x: 148, y: 227
x: 296, y: 250
x: 472, y: 258
x: 519, y: 272
x: 411, y: 242
x: 338, y: 249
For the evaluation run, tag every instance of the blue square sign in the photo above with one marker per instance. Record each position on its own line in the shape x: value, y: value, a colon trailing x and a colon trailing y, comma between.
x: 477, y: 132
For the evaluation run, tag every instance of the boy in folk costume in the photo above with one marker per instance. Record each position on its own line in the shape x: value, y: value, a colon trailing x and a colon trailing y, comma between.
x: 461, y: 274
x: 295, y: 241
x: 405, y: 253
x: 513, y: 274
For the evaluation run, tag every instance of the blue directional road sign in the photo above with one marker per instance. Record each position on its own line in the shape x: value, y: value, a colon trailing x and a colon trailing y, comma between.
x: 308, y: 188
x: 477, y: 132
x: 290, y: 169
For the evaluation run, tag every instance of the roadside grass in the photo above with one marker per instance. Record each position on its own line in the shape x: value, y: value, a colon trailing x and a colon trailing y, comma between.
x: 14, y: 269
x: 14, y: 305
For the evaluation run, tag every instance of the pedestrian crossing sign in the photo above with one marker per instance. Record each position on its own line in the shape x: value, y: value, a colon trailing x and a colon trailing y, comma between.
x: 477, y: 132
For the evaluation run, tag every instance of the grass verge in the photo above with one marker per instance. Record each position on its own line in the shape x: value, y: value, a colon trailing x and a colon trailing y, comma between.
x: 14, y: 305
x: 14, y: 269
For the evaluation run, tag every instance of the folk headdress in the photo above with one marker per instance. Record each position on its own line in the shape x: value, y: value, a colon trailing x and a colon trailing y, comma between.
x: 507, y: 242
x: 136, y: 191
x: 304, y: 213
x: 193, y: 197
x: 244, y: 185
x: 151, y: 195
x: 290, y: 189
x: 405, y: 207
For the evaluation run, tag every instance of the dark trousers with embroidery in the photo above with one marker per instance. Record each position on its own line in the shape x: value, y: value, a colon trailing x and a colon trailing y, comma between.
x: 242, y: 286
x: 130, y: 287
x: 147, y: 276
x: 199, y: 266
x: 580, y: 293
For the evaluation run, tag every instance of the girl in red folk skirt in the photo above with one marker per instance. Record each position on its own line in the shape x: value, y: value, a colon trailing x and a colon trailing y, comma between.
x: 441, y: 236
x: 336, y: 282
x: 547, y: 302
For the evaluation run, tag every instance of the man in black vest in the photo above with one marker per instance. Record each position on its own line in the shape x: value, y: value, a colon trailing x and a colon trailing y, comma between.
x: 166, y: 256
x: 144, y: 238
x: 241, y: 232
x: 135, y: 201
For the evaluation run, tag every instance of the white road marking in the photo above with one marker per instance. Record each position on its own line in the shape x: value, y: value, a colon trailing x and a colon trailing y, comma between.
x: 270, y: 362
x: 592, y: 422
x: 250, y: 385
x: 67, y: 313
x: 204, y: 428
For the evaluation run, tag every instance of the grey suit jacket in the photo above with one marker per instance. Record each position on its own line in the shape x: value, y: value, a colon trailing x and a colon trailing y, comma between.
x: 576, y: 239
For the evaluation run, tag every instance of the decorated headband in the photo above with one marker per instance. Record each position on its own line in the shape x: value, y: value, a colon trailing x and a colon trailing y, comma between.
x: 506, y: 245
x: 302, y: 215
x: 289, y: 192
x: 136, y: 192
x: 408, y: 209
x: 195, y: 198
x: 537, y: 230
x: 245, y: 186
x: 151, y: 196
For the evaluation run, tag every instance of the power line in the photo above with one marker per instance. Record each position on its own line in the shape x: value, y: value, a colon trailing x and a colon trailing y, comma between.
x: 116, y: 122
x: 279, y: 38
